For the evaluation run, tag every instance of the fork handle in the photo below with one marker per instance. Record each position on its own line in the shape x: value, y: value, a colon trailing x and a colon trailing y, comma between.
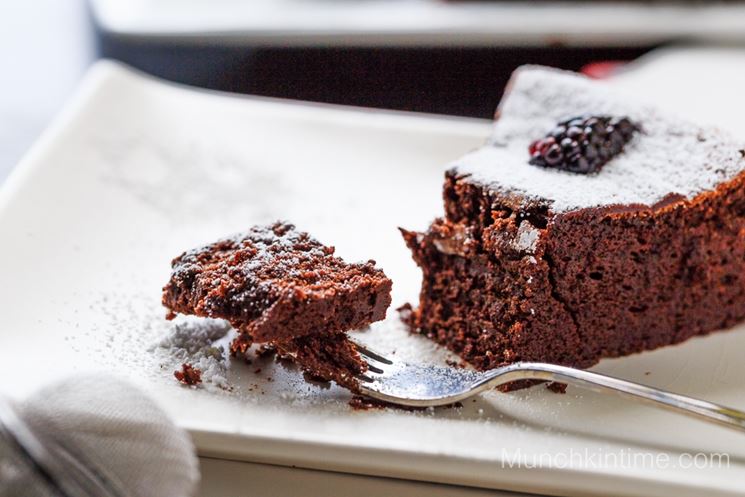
x: 700, y: 409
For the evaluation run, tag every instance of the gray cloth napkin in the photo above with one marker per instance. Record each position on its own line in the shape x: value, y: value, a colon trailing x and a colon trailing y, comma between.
x: 117, y: 431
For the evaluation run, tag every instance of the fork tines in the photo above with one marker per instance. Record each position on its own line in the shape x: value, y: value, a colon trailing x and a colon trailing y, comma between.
x: 370, y: 355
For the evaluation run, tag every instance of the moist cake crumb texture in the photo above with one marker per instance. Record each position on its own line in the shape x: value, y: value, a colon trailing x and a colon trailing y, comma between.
x: 274, y: 282
x: 188, y: 375
x: 280, y: 287
x: 329, y: 357
x: 539, y: 264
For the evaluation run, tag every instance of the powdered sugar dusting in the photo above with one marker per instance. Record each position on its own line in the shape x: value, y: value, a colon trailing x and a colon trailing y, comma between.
x: 669, y: 155
x: 277, y: 245
x: 195, y: 342
x: 527, y: 238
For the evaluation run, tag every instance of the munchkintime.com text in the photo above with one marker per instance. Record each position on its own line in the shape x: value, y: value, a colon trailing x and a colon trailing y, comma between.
x: 622, y: 458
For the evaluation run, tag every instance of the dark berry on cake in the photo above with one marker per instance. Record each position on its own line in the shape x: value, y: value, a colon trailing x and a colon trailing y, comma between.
x: 582, y: 144
x: 278, y: 286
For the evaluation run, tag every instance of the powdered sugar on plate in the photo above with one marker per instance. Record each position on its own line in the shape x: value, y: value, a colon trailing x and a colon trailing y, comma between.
x: 198, y: 342
x: 669, y: 155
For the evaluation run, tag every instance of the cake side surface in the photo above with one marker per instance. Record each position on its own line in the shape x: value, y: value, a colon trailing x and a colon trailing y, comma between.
x: 491, y: 305
x: 640, y: 279
x: 505, y: 279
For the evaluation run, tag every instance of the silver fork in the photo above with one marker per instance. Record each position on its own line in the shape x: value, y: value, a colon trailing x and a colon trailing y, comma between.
x: 425, y: 385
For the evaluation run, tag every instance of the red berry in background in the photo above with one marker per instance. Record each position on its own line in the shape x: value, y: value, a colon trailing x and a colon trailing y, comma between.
x: 603, y: 69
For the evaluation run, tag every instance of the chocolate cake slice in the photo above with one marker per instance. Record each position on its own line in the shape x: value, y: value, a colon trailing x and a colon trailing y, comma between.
x: 588, y: 226
x: 279, y: 286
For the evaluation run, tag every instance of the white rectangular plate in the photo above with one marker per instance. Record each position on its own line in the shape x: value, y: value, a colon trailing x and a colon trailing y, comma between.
x: 136, y: 170
x: 421, y: 22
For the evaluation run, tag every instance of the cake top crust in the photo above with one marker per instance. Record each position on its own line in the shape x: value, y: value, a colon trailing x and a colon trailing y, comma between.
x: 668, y: 156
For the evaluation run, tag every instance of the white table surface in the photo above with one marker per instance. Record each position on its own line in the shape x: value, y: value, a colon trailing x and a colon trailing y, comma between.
x: 45, y: 48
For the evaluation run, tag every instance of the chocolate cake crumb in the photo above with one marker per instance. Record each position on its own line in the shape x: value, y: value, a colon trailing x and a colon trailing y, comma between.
x: 275, y: 283
x: 405, y: 314
x: 456, y: 364
x: 557, y: 387
x: 284, y: 290
x: 311, y: 378
x: 266, y: 350
x: 240, y: 345
x: 362, y: 403
x: 188, y: 375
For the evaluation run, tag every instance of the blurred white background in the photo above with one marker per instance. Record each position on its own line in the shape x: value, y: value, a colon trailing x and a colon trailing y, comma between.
x: 45, y: 47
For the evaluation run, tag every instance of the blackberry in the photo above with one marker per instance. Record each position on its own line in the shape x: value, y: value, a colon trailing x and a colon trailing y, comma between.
x: 582, y: 144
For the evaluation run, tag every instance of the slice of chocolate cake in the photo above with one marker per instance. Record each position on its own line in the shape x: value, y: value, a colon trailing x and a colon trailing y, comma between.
x: 280, y: 286
x: 589, y: 226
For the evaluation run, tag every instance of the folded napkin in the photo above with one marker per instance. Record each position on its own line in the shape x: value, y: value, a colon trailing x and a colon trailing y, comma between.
x: 115, y: 433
